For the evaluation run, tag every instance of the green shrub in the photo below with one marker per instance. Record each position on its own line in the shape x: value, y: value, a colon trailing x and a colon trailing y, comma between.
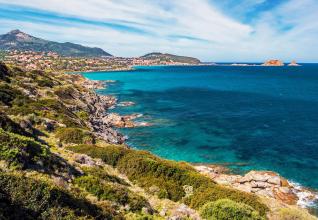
x: 226, y: 209
x: 4, y: 71
x: 110, y: 154
x: 148, y: 170
x: 33, y: 199
x: 112, y: 192
x: 45, y: 82
x: 101, y: 190
x: 20, y: 151
x: 8, y: 125
x: 294, y: 214
x: 204, y: 195
x: 48, y: 108
x: 75, y: 136
x: 83, y: 115
x: 100, y: 173
x: 8, y: 94
x: 64, y: 92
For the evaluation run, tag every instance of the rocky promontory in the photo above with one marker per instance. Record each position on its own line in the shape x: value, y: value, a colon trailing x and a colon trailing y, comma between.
x: 262, y: 183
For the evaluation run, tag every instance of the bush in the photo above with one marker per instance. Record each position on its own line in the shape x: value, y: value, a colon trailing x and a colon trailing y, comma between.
x: 110, y: 154
x: 8, y: 125
x: 64, y: 92
x: 75, y: 136
x: 20, y: 151
x: 83, y: 115
x: 45, y: 82
x: 103, y: 175
x: 294, y: 214
x: 148, y: 170
x: 204, y: 195
x: 8, y: 94
x: 48, y: 108
x: 112, y: 192
x: 225, y: 209
x: 32, y: 199
x: 102, y: 190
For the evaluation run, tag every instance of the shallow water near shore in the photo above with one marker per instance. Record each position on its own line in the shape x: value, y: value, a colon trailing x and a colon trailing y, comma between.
x: 263, y: 118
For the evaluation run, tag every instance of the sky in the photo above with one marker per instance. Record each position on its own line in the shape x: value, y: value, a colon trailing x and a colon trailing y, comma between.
x: 211, y: 30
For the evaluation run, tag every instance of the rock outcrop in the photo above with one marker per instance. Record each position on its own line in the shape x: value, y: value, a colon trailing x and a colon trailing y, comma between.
x: 293, y: 63
x: 262, y: 183
x: 273, y: 63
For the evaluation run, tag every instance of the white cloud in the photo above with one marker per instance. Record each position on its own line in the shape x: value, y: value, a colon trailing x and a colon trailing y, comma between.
x: 288, y: 31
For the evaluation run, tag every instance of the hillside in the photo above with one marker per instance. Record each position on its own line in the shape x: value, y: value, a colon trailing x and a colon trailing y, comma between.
x: 61, y: 159
x: 17, y: 40
x: 171, y: 57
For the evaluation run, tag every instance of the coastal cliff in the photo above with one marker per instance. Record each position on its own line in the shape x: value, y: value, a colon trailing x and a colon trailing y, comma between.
x: 61, y: 157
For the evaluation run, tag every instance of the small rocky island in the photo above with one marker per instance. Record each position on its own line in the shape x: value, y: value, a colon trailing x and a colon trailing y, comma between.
x: 273, y: 63
x: 293, y: 63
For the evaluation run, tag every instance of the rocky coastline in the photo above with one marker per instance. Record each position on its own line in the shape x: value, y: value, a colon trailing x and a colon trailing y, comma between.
x: 265, y: 184
x: 102, y: 122
x: 262, y: 183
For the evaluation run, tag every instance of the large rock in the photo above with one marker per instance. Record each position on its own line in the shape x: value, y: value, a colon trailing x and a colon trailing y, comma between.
x: 262, y: 183
x: 273, y: 63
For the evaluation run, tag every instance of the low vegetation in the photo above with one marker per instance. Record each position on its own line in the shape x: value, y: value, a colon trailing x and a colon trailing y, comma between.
x: 25, y: 198
x: 294, y: 214
x: 20, y: 151
x: 74, y: 136
x: 225, y: 209
x: 170, y: 177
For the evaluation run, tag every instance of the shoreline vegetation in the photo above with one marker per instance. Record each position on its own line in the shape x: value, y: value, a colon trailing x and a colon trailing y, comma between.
x: 61, y: 157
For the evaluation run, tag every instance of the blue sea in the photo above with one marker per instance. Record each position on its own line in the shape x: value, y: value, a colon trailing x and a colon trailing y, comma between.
x: 263, y: 118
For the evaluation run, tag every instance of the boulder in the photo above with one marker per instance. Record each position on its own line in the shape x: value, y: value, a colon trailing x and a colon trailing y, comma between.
x: 84, y: 159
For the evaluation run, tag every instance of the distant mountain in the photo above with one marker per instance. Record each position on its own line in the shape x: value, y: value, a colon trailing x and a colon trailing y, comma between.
x: 18, y: 40
x: 175, y: 58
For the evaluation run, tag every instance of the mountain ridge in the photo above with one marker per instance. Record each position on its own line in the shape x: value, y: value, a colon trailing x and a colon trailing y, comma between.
x: 18, y: 40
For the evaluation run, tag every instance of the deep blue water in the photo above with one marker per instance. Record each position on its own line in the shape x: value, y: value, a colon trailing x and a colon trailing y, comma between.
x: 263, y: 118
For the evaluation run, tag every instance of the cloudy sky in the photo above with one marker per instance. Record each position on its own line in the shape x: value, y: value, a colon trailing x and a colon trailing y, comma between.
x: 212, y: 30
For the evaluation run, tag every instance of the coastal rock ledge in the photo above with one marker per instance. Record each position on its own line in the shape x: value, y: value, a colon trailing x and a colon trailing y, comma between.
x: 263, y: 183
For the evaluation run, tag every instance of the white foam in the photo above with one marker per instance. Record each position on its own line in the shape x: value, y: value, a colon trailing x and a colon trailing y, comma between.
x: 306, y: 198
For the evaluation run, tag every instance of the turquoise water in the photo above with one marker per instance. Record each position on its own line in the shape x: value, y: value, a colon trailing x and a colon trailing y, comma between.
x: 263, y: 118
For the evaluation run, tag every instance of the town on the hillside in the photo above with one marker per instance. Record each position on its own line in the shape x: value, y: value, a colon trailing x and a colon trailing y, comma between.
x: 30, y: 60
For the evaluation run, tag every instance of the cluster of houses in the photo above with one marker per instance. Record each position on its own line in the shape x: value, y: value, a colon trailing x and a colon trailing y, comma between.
x: 30, y: 60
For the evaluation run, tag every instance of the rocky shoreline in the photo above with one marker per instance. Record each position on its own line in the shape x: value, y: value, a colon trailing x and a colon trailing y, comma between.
x: 262, y: 183
x: 266, y: 184
x: 102, y: 122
